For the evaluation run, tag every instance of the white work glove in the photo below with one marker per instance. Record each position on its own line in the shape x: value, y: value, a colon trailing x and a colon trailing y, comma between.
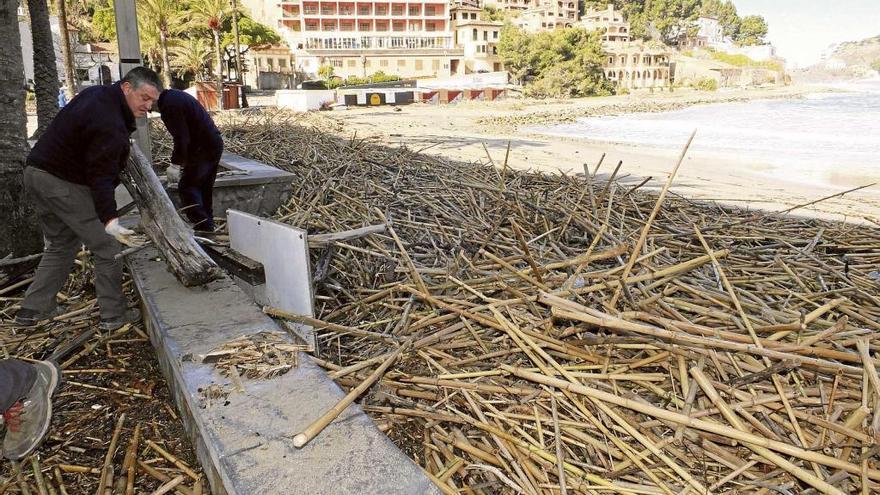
x: 122, y: 234
x: 173, y: 173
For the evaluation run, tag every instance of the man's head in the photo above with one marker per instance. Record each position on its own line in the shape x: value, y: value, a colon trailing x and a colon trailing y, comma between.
x: 141, y: 87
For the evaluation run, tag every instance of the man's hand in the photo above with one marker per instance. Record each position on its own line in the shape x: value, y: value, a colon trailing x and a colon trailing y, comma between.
x: 122, y: 234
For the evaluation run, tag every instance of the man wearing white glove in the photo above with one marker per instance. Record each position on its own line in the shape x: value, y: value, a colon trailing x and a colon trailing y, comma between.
x: 71, y: 175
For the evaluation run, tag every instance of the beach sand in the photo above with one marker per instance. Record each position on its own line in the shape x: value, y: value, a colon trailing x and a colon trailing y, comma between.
x: 461, y: 131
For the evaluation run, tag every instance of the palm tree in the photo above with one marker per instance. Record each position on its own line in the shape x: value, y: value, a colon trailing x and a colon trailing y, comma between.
x: 168, y: 20
x: 148, y: 36
x: 191, y: 56
x: 18, y: 233
x: 45, y: 72
x: 66, y: 55
x: 211, y: 14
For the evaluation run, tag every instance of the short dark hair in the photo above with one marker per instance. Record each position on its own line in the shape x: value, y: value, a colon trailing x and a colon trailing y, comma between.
x: 142, y: 75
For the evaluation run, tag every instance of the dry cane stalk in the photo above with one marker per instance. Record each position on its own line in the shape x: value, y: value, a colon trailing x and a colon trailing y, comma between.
x: 305, y: 436
x: 770, y: 456
x: 644, y: 235
x: 106, y: 471
x: 129, y: 465
x: 677, y: 418
x: 173, y: 460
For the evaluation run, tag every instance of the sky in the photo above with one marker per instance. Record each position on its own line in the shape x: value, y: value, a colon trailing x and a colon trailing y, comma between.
x: 802, y: 29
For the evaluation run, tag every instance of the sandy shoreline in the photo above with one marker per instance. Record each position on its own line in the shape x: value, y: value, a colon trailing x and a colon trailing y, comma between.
x: 465, y: 131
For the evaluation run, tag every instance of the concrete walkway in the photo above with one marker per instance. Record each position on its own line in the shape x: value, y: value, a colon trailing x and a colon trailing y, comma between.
x: 244, y: 441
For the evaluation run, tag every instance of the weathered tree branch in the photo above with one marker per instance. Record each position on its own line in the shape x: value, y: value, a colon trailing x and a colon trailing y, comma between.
x: 186, y: 259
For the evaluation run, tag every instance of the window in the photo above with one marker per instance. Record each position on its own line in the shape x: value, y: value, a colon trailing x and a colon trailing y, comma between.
x: 335, y: 62
x: 367, y: 63
x: 485, y: 35
x: 282, y: 63
x: 475, y: 34
x: 401, y: 63
x: 418, y: 65
x: 413, y: 10
x: 363, y: 10
x: 495, y: 34
x: 364, y: 26
x: 381, y: 10
x: 383, y: 62
x: 435, y: 65
x: 351, y: 62
x: 473, y: 16
x: 269, y: 63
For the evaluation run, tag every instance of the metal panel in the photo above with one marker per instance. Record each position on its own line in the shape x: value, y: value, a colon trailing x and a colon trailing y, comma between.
x: 284, y: 253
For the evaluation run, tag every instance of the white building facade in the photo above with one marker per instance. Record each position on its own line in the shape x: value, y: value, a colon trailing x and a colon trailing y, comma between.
x: 478, y: 38
x: 410, y: 38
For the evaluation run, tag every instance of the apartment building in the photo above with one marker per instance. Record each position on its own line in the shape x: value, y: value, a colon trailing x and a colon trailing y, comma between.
x: 637, y: 65
x: 270, y: 67
x: 611, y: 22
x: 478, y: 38
x: 545, y: 15
x: 519, y: 5
x: 409, y: 38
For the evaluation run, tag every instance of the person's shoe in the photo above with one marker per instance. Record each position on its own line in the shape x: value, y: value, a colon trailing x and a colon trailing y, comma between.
x: 28, y: 421
x: 131, y: 316
x: 30, y: 317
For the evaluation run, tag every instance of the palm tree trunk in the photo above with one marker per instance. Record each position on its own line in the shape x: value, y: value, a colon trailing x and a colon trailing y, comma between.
x: 66, y: 55
x: 238, y: 77
x: 219, y: 72
x: 18, y: 231
x: 45, y: 72
x: 166, y: 65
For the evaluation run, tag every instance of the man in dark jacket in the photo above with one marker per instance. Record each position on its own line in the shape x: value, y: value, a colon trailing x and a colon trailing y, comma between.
x: 71, y: 175
x: 197, y: 150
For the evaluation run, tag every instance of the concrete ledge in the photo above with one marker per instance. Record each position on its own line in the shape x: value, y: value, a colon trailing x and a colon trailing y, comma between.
x: 256, y: 172
x: 248, y: 186
x: 244, y: 442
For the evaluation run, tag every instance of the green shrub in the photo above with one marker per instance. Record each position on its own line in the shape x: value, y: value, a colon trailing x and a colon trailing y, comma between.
x: 740, y: 60
x: 706, y: 84
x: 559, y: 64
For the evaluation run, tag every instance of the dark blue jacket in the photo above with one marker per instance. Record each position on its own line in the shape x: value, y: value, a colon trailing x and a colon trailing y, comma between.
x: 87, y: 143
x: 195, y: 135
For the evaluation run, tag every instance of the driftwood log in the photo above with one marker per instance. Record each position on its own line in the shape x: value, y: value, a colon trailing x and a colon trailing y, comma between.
x: 186, y: 259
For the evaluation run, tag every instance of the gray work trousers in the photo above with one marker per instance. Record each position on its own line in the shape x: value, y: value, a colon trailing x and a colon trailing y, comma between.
x: 16, y: 379
x: 68, y: 220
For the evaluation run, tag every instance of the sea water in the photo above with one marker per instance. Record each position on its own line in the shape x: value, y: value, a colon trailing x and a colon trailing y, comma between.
x: 829, y: 137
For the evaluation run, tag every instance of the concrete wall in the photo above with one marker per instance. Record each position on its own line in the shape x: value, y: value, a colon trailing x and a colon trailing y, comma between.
x: 302, y: 100
x: 487, y: 80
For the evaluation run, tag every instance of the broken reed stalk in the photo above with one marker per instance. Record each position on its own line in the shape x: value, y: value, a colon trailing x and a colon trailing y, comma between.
x: 644, y: 235
x: 106, y: 471
x: 673, y: 417
x: 311, y: 431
